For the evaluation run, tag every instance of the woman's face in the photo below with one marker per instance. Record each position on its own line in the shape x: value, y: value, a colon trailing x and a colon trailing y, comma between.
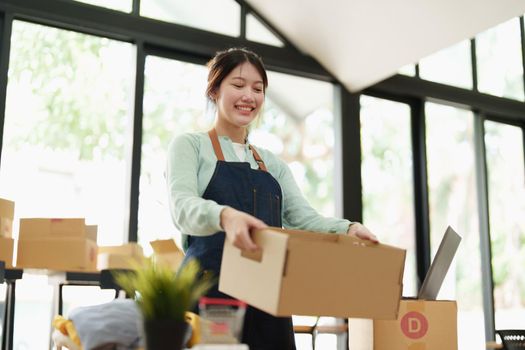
x: 240, y: 96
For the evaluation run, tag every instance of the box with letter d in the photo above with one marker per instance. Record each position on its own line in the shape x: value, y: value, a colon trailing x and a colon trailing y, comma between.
x: 423, y: 323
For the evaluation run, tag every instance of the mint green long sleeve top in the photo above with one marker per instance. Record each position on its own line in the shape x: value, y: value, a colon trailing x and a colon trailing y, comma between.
x: 190, y: 165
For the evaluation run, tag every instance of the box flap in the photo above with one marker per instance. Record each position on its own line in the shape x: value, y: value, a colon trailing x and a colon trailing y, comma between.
x: 128, y: 249
x: 267, y: 272
x: 163, y: 246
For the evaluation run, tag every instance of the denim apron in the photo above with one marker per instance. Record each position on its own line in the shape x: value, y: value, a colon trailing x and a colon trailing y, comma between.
x: 257, y: 193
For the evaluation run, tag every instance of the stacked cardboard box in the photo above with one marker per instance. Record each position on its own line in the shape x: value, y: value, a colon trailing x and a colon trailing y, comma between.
x: 7, y: 212
x: 167, y: 253
x: 126, y: 256
x: 317, y: 274
x: 64, y: 244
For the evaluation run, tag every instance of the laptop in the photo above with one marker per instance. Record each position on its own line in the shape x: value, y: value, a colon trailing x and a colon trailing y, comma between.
x: 439, y: 267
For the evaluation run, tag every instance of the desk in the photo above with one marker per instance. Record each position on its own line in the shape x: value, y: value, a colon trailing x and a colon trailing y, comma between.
x: 9, y: 277
x: 103, y: 279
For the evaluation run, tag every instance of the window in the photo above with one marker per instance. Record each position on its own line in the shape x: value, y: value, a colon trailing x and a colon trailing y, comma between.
x: 388, y: 201
x: 500, y: 68
x: 453, y: 201
x: 506, y: 187
x: 68, y: 111
x: 257, y: 31
x: 219, y: 16
x: 450, y: 66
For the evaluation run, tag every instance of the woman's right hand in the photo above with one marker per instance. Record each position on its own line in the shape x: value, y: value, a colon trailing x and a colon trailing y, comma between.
x: 238, y: 226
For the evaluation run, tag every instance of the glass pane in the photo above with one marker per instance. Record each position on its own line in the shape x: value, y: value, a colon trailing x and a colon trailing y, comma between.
x: 174, y: 103
x: 256, y: 31
x: 79, y: 296
x: 506, y: 185
x: 453, y: 201
x: 409, y: 69
x: 68, y: 114
x: 450, y: 66
x: 388, y: 201
x: 220, y: 16
x: 120, y: 5
x: 33, y: 313
x: 500, y: 68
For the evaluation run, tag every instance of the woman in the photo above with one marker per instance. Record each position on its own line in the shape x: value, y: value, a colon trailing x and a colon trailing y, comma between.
x: 221, y: 187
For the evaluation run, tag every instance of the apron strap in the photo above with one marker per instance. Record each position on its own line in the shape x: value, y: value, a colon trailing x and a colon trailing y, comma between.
x: 215, y: 143
x: 220, y: 156
x: 258, y: 159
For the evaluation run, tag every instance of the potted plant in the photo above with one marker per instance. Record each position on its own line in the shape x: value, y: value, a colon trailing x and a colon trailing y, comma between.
x: 163, y: 298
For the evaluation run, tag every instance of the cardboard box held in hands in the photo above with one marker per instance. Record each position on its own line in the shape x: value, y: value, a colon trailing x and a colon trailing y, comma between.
x: 317, y: 274
x: 423, y: 323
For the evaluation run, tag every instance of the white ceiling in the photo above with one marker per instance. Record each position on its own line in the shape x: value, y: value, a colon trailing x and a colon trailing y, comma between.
x: 362, y: 42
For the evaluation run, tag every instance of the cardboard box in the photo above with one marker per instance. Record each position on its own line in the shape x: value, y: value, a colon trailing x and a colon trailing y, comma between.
x: 126, y: 256
x: 421, y: 325
x: 321, y: 274
x: 167, y: 253
x: 7, y: 213
x: 54, y: 227
x: 6, y: 227
x: 63, y: 254
x: 6, y: 251
x: 91, y: 232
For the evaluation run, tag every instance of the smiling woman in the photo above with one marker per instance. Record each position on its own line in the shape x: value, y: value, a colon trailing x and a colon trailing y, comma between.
x: 214, y: 197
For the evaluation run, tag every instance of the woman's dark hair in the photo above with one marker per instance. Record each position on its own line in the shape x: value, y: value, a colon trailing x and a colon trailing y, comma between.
x: 225, y: 61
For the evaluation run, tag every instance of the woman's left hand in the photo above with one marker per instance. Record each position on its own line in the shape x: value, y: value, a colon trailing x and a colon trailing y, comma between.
x: 360, y: 231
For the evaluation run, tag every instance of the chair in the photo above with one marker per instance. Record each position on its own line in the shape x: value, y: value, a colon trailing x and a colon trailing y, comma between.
x: 312, y: 330
x: 512, y: 339
x: 316, y: 329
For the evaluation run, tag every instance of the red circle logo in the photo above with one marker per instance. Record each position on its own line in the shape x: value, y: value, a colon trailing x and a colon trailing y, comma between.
x: 414, y: 325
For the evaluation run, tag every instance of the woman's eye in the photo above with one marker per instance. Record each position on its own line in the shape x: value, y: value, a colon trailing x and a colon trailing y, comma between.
x: 258, y: 90
x: 237, y: 85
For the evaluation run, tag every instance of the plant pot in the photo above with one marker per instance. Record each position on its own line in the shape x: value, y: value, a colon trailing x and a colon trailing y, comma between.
x: 165, y: 334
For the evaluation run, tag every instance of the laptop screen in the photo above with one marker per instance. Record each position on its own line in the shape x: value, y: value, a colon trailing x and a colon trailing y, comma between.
x: 439, y: 267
